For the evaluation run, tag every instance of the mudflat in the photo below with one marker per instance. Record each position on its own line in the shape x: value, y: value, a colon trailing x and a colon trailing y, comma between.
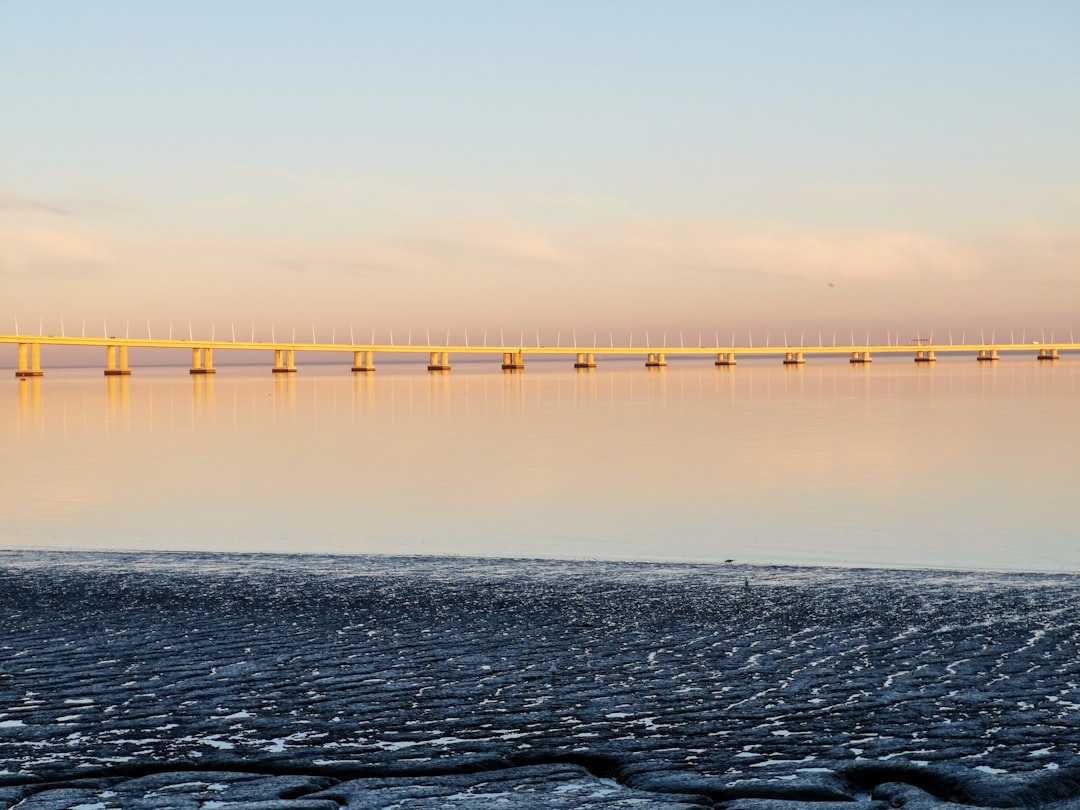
x: 203, y: 680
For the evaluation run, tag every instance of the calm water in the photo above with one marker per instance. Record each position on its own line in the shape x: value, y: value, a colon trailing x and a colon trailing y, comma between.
x: 955, y: 465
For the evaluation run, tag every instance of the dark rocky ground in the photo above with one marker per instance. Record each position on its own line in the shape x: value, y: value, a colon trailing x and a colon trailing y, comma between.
x: 199, y: 681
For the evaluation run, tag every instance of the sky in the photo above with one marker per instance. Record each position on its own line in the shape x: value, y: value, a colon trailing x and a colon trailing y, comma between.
x: 731, y: 168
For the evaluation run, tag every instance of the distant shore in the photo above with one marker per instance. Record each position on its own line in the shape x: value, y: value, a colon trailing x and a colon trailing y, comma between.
x: 351, y: 680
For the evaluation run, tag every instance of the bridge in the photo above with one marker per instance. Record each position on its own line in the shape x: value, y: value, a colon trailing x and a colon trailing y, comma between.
x: 512, y: 356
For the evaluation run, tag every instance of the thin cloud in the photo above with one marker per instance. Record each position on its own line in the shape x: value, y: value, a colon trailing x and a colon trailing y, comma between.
x: 781, y: 249
x: 489, y: 240
x: 72, y: 206
x: 316, y: 266
x: 471, y: 270
x: 61, y: 250
x: 22, y: 203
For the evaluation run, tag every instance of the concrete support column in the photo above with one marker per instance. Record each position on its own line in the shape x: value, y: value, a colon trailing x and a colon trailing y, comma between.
x: 439, y: 361
x: 585, y: 360
x: 794, y: 359
x: 284, y: 361
x: 202, y: 361
x: 925, y: 356
x: 1048, y: 354
x: 655, y: 360
x: 860, y: 357
x: 987, y: 355
x: 29, y: 360
x: 114, y: 367
x: 363, y: 361
x: 725, y: 359
x: 513, y: 361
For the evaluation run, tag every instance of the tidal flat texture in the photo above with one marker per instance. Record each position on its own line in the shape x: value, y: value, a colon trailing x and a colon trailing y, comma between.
x: 230, y: 681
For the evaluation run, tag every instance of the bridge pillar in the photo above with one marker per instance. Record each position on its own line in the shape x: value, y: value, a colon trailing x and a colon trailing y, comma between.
x: 925, y: 356
x: 794, y: 359
x: 861, y: 357
x: 29, y: 360
x: 655, y: 360
x: 202, y: 361
x: 987, y: 355
x: 114, y: 367
x: 1048, y: 354
x: 439, y: 361
x: 725, y: 359
x: 363, y: 361
x: 513, y: 361
x: 585, y: 360
x: 284, y: 361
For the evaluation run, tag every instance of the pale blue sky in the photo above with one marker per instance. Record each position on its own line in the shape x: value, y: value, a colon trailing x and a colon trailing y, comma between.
x: 572, y: 165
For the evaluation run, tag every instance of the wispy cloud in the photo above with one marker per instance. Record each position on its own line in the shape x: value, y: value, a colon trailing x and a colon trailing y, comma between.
x: 720, y: 248
x: 315, y: 266
x: 510, y: 244
x: 75, y: 206
x: 500, y: 270
x: 22, y: 203
x: 53, y: 238
x: 64, y: 249
x: 778, y: 249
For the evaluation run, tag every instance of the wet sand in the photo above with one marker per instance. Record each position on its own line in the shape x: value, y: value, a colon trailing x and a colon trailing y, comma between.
x: 186, y: 680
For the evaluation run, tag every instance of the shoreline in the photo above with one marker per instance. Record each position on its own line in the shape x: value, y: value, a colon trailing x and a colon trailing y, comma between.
x: 69, y: 555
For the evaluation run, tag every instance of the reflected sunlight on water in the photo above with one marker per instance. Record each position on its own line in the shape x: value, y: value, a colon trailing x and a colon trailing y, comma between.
x: 957, y: 465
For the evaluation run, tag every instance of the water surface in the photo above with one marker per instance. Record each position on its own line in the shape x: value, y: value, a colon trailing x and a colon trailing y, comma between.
x: 959, y: 464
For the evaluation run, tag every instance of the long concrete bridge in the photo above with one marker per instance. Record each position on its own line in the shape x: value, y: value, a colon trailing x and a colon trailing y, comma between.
x: 512, y: 356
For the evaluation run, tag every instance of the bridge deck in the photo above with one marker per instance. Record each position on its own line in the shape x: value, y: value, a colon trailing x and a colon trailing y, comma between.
x: 541, y: 349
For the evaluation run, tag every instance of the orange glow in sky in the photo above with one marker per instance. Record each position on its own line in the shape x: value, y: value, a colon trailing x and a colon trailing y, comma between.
x: 702, y: 168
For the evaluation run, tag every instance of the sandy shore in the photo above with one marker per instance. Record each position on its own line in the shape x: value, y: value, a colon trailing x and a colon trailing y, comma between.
x: 185, y: 680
